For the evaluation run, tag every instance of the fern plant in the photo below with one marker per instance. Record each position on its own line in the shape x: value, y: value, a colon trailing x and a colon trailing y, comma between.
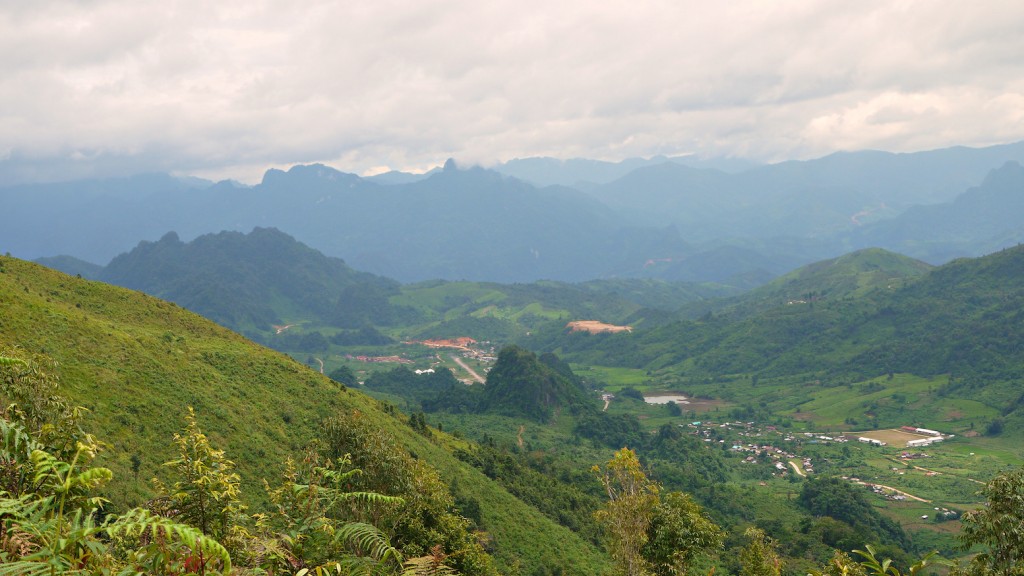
x: 308, y: 532
x: 54, y: 529
x: 51, y: 526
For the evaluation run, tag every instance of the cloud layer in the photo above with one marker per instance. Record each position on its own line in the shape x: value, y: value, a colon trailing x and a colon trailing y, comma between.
x: 231, y: 88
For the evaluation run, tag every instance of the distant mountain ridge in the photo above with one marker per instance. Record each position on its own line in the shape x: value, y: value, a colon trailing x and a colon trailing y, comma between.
x: 246, y: 281
x: 282, y: 293
x: 985, y: 217
x: 659, y: 220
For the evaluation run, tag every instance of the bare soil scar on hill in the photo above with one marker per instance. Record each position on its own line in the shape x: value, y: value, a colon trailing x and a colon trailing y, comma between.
x: 595, y: 327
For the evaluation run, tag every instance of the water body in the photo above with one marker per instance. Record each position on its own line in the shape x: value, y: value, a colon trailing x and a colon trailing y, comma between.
x: 666, y: 398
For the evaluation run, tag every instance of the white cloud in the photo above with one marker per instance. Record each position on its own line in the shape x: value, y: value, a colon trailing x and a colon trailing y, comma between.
x: 211, y: 89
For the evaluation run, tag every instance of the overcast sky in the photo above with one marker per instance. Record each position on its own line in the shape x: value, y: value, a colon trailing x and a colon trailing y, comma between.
x: 230, y: 88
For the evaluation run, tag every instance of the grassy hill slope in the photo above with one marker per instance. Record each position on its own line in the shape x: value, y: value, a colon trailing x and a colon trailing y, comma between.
x: 137, y: 362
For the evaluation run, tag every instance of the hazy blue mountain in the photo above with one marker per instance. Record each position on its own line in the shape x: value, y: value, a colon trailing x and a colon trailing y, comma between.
x: 663, y: 219
x: 470, y: 224
x: 457, y: 224
x: 72, y: 266
x: 583, y: 173
x: 823, y: 199
x: 93, y: 220
x: 979, y: 221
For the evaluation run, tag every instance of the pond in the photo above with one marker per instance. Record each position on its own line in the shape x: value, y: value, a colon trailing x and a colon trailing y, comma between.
x: 665, y: 398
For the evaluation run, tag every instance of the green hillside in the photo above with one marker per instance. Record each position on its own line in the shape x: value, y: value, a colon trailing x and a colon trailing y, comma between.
x: 850, y: 275
x: 958, y: 325
x: 137, y: 363
x: 281, y: 293
x: 249, y: 282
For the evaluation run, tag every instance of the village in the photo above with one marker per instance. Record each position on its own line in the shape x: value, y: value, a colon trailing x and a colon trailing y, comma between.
x: 784, y: 454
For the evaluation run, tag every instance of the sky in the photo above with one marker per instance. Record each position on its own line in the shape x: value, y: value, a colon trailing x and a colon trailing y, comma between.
x: 231, y: 88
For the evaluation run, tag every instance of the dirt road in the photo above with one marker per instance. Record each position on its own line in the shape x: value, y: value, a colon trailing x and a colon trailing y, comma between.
x: 469, y: 370
x: 883, y: 486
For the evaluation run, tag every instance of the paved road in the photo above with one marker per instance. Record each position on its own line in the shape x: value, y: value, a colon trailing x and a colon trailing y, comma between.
x: 465, y: 367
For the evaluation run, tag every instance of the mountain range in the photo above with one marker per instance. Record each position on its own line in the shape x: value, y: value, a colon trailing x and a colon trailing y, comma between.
x: 659, y: 218
x: 867, y: 339
x: 862, y: 315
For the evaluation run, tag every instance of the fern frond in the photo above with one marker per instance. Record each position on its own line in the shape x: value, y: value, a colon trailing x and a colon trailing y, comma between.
x: 7, y: 361
x: 369, y: 540
x: 137, y: 521
x: 48, y: 467
x: 24, y: 507
x: 93, y: 477
x: 24, y: 568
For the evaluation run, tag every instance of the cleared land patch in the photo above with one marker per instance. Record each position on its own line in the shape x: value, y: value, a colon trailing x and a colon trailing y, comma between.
x: 595, y: 327
x: 898, y: 438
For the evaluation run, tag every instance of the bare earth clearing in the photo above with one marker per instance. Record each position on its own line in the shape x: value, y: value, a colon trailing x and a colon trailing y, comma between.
x: 461, y: 343
x: 595, y: 327
x: 891, y: 437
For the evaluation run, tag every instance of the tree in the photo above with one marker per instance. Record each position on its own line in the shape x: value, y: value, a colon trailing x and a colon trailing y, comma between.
x: 999, y: 526
x: 28, y: 396
x: 344, y: 375
x: 647, y: 534
x: 206, y: 494
x: 678, y: 533
x: 626, y: 517
x: 759, y: 556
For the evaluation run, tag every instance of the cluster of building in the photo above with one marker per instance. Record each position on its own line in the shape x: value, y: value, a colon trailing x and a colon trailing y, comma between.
x: 872, y: 441
x: 822, y: 438
x: 932, y: 436
x: 780, y: 456
x: 889, y: 494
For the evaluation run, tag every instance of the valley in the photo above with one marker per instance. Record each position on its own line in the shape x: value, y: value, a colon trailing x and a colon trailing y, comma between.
x: 865, y: 398
x: 505, y: 289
